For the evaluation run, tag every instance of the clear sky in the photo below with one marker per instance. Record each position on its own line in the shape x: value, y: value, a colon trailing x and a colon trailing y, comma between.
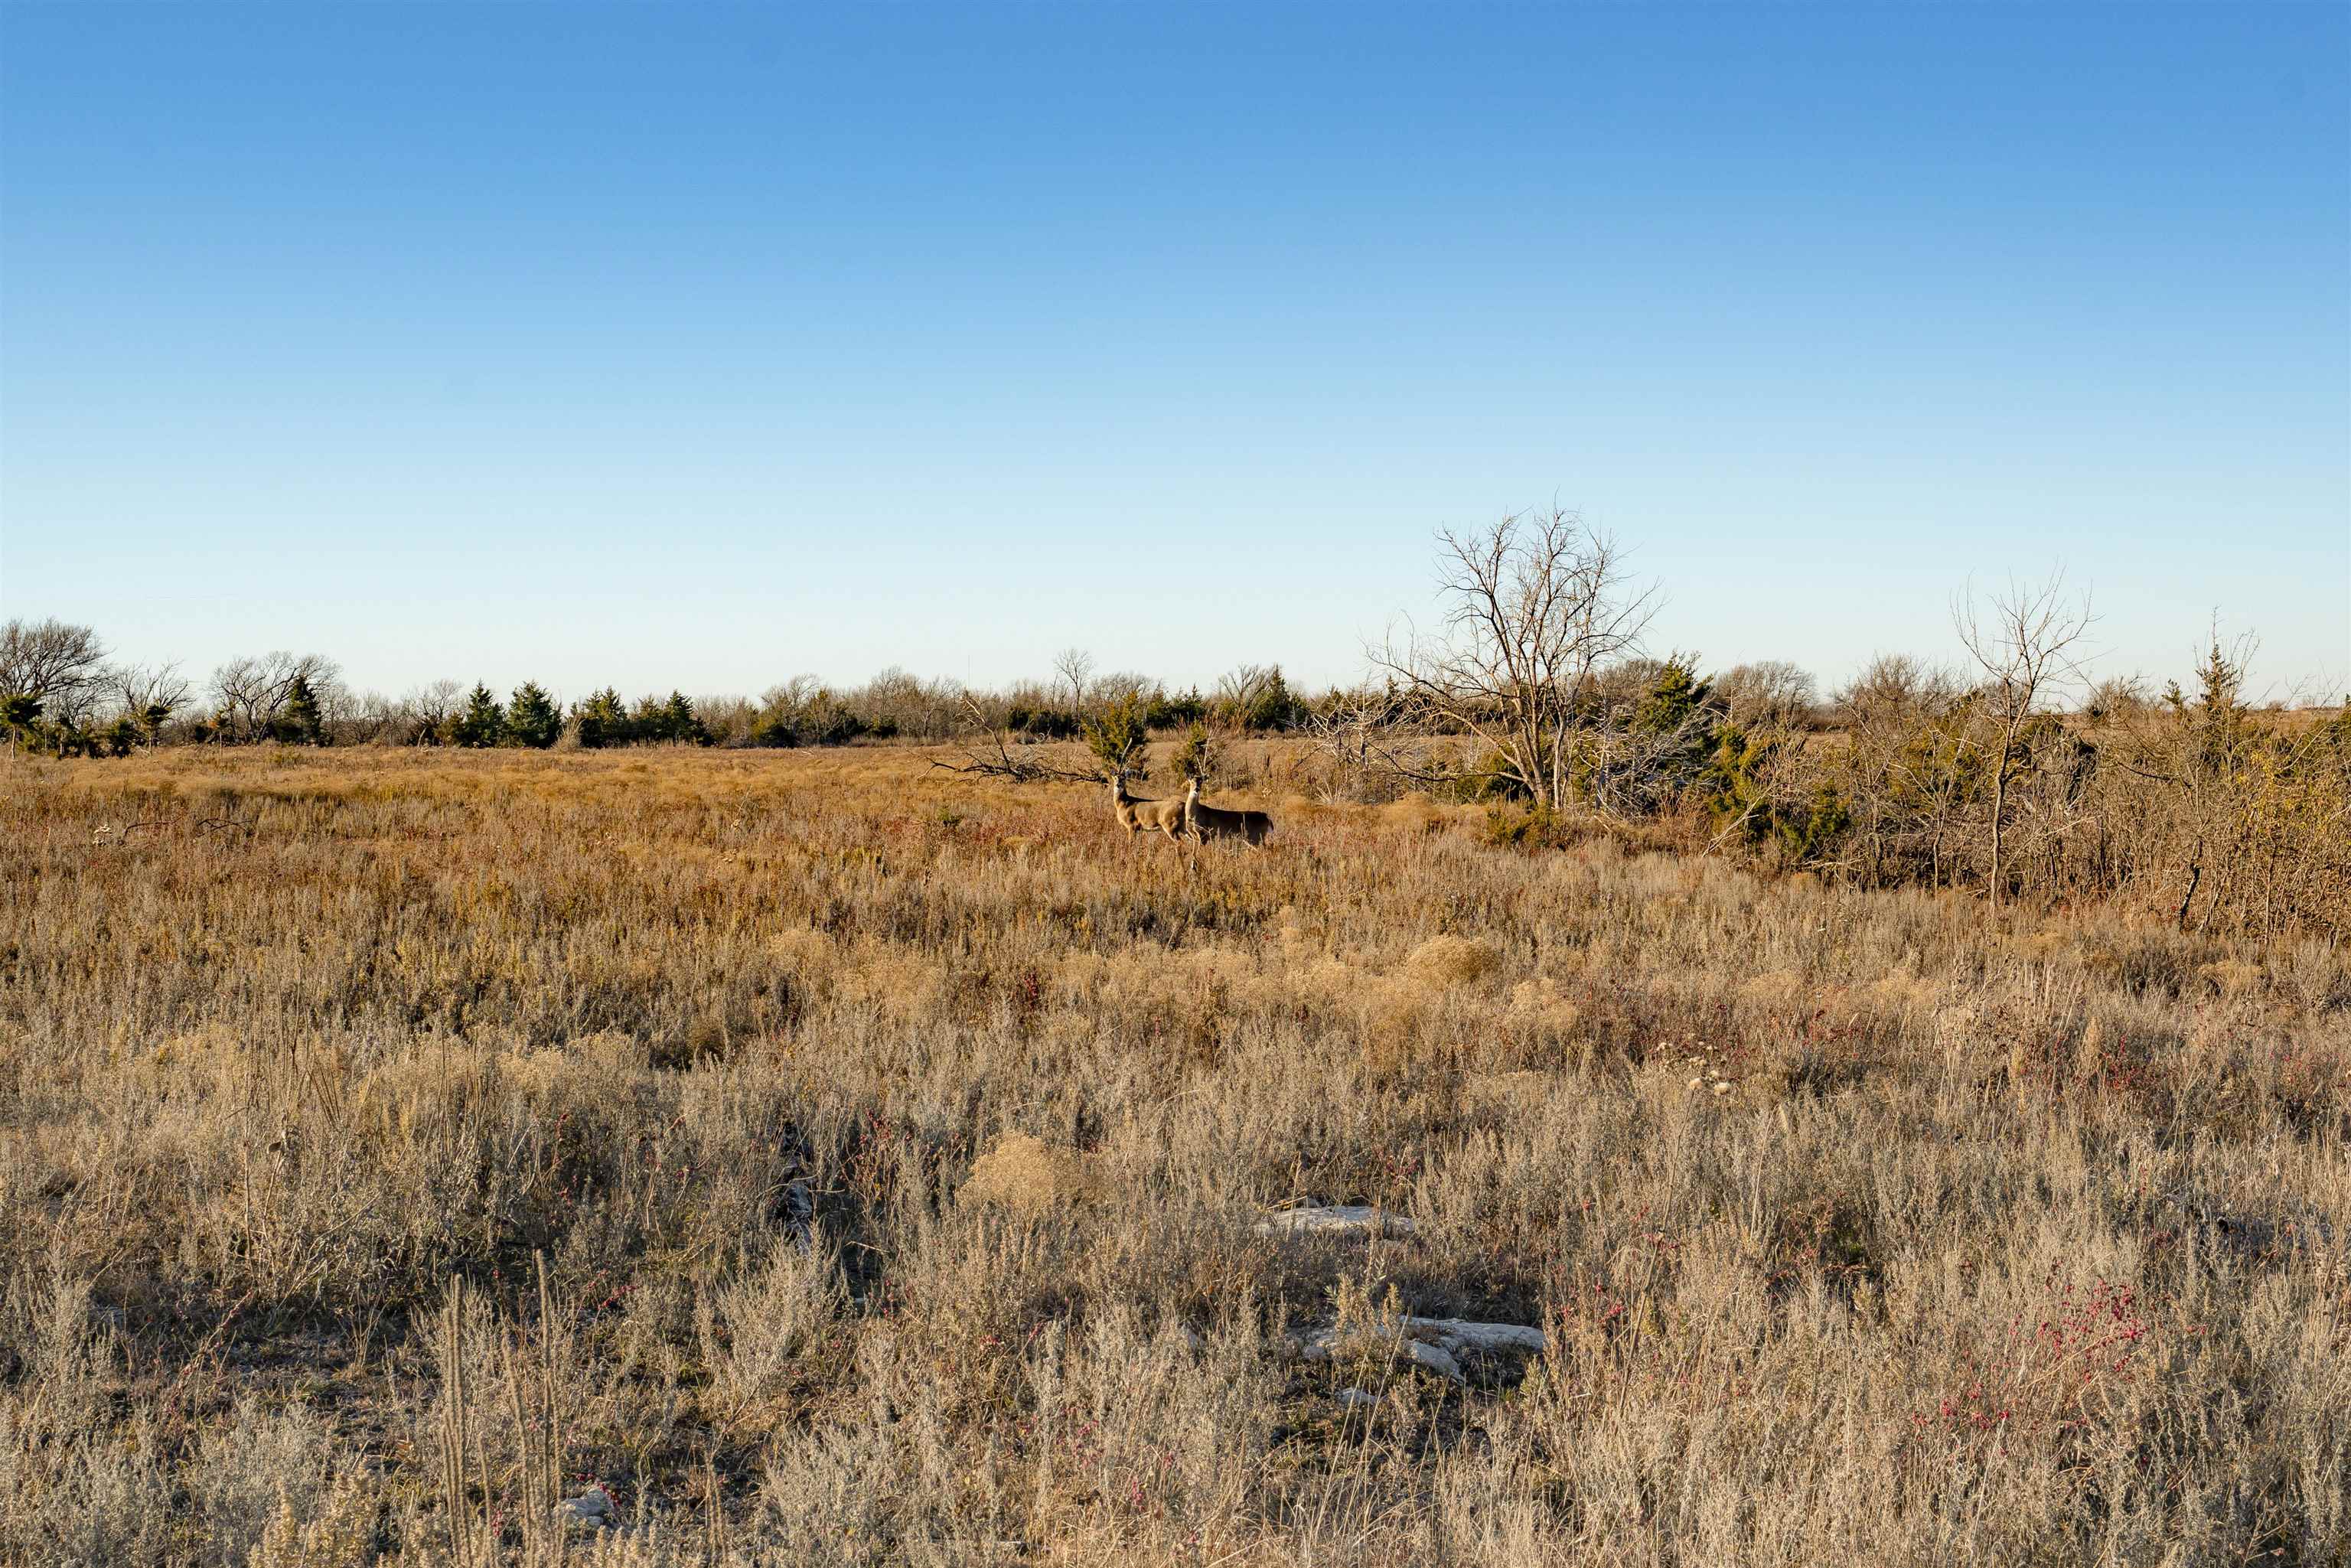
x: 682, y: 346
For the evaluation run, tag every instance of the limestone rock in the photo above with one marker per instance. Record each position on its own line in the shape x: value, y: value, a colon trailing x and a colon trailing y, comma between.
x: 1435, y: 1345
x: 1338, y: 1220
x: 1324, y: 1343
x: 1458, y: 1335
x: 590, y: 1510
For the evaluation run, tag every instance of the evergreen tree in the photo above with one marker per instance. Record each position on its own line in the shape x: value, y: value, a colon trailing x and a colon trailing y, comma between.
x: 603, y: 720
x: 1273, y: 707
x: 21, y: 715
x: 1671, y: 698
x: 300, y: 721
x: 1675, y: 724
x: 532, y: 719
x: 680, y: 722
x: 2224, y: 727
x: 483, y: 722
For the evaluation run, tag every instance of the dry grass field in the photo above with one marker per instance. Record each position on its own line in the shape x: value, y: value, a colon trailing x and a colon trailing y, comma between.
x: 840, y: 1161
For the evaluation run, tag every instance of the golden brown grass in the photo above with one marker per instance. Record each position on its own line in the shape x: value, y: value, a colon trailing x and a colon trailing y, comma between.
x: 2008, y: 1238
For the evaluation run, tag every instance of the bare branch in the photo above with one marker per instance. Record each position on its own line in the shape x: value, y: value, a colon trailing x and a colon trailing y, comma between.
x: 995, y: 753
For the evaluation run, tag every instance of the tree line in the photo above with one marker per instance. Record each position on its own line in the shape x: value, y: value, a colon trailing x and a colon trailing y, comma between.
x: 61, y: 695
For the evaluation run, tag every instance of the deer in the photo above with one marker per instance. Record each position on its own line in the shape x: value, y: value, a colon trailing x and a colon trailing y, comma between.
x: 1135, y: 816
x: 1207, y: 822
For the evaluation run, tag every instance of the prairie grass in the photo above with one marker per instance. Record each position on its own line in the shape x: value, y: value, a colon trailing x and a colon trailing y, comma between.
x: 893, y: 1141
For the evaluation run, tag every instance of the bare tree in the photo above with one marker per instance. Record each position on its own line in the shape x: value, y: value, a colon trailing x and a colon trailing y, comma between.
x: 1892, y: 684
x: 1246, y: 685
x: 148, y: 695
x: 427, y: 711
x: 2025, y: 640
x: 1073, y: 666
x: 1770, y: 691
x: 1900, y: 764
x: 53, y: 662
x: 1533, y: 604
x: 252, y: 692
x: 915, y: 708
x: 370, y: 718
x: 1121, y: 686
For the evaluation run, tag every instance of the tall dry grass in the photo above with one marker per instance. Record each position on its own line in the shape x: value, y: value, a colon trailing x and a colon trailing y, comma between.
x: 893, y: 1141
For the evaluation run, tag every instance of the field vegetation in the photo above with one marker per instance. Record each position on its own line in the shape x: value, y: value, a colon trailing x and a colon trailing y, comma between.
x: 822, y: 1155
x: 1629, y: 1112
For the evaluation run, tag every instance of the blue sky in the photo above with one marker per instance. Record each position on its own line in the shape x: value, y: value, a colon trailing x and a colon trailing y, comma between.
x: 688, y: 346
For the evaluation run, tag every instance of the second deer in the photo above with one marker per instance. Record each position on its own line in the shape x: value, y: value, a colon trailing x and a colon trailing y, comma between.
x: 1207, y: 822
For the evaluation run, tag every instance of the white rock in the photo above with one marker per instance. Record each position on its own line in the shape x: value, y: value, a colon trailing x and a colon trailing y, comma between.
x: 1324, y: 1343
x: 588, y: 1511
x: 1455, y: 1333
x: 1343, y: 1219
x: 1351, y: 1398
x: 1437, y: 1361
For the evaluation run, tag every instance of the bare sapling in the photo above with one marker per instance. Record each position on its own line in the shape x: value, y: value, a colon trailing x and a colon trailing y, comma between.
x: 2026, y: 642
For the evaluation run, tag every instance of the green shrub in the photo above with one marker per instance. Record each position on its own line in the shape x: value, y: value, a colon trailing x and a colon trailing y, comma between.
x: 1197, y: 757
x: 1117, y: 735
x: 1043, y: 723
x: 1535, y: 828
x: 22, y: 715
x: 1163, y: 712
x: 1736, y: 790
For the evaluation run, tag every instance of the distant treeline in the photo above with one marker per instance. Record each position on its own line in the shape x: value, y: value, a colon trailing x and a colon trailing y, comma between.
x: 61, y: 696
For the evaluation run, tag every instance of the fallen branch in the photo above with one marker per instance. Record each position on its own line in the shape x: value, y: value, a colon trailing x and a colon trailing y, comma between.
x: 997, y: 757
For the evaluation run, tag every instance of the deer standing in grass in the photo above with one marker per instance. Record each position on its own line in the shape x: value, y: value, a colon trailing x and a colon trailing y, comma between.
x: 1146, y: 816
x: 1207, y: 822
